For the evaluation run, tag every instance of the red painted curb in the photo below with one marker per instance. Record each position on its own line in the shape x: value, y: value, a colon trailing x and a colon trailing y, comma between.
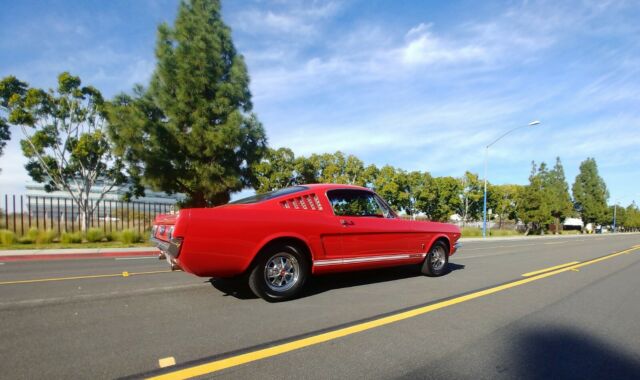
x: 66, y: 256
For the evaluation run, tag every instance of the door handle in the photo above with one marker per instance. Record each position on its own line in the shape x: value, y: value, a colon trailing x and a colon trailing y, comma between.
x: 346, y: 222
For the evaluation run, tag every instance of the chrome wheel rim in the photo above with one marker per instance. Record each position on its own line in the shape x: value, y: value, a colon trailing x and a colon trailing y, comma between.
x: 438, y: 258
x: 281, y: 272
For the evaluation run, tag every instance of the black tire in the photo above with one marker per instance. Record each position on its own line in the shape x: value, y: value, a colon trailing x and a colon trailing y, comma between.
x: 279, y: 273
x: 437, y: 260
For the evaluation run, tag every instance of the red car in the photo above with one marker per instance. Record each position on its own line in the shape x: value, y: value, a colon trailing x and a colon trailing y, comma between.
x: 278, y: 239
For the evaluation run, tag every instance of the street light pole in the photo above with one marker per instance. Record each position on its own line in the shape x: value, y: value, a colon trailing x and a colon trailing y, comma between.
x: 486, y: 158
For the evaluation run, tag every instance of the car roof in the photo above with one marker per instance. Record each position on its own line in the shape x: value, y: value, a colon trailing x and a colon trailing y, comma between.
x: 330, y: 186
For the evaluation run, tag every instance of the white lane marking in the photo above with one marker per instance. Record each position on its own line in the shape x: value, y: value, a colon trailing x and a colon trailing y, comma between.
x: 557, y: 242
x: 1, y: 263
x: 136, y: 258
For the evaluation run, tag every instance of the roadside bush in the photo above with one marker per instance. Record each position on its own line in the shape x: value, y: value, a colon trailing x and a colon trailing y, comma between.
x: 130, y: 237
x: 46, y: 236
x: 7, y: 237
x: 110, y: 236
x: 471, y: 232
x: 477, y: 232
x: 504, y: 233
x: 30, y: 237
x: 71, y: 238
x: 95, y: 235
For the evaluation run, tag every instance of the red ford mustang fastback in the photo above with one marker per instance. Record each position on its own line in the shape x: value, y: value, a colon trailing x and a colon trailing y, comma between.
x: 278, y: 239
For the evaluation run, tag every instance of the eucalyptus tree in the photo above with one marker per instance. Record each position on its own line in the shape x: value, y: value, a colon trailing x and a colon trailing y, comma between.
x: 65, y: 140
x: 10, y: 87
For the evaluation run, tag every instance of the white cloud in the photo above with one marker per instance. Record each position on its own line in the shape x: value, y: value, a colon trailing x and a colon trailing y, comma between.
x: 424, y: 48
x: 294, y: 19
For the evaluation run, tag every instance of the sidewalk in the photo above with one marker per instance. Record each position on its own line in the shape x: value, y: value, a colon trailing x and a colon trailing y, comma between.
x: 75, y: 253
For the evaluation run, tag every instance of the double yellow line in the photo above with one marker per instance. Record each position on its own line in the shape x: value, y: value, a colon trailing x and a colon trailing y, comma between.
x: 233, y: 361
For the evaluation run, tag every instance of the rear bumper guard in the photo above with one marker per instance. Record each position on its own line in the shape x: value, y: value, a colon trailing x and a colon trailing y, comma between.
x: 168, y: 251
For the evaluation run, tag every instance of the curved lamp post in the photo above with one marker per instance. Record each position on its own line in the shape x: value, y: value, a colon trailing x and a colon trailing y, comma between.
x: 486, y: 156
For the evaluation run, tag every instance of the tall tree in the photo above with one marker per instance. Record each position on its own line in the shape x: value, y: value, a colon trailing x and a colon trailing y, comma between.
x: 390, y: 184
x: 534, y: 206
x: 632, y: 216
x: 276, y: 170
x: 192, y: 130
x: 560, y: 200
x: 471, y: 194
x: 11, y: 90
x: 503, y: 200
x: 590, y: 193
x: 65, y: 140
x: 443, y: 199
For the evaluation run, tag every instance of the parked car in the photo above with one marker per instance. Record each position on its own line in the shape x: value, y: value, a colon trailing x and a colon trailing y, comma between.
x: 278, y: 239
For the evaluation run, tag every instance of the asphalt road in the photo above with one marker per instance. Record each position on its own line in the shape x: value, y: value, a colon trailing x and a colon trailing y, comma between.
x: 482, y: 320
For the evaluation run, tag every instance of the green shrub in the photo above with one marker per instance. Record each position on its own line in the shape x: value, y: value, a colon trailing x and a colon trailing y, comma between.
x: 71, y: 238
x: 30, y: 237
x: 130, y: 237
x: 110, y: 236
x: 45, y: 237
x: 94, y: 235
x: 477, y: 232
x: 504, y: 233
x: 471, y: 232
x: 7, y: 237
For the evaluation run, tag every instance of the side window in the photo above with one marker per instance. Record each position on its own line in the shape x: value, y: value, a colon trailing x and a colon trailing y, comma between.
x: 355, y: 203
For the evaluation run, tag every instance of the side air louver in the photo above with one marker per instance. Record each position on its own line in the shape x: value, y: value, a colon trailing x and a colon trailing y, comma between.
x: 305, y: 202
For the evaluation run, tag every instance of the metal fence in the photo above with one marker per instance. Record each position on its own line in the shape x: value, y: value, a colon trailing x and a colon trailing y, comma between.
x: 19, y: 213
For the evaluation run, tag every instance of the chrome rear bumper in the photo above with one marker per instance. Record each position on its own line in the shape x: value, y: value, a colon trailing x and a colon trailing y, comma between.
x: 168, y: 251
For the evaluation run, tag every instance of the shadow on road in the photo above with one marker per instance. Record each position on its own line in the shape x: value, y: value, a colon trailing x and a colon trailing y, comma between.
x: 566, y: 353
x: 238, y: 288
x: 549, y: 352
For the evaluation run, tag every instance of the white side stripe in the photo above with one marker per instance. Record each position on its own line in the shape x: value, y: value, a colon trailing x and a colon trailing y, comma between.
x: 356, y: 260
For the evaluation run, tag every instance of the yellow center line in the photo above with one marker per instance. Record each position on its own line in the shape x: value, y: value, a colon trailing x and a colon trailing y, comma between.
x: 529, y: 274
x: 123, y: 274
x: 217, y: 365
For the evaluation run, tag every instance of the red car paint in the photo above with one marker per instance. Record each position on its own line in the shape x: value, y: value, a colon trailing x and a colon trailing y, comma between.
x: 223, y: 241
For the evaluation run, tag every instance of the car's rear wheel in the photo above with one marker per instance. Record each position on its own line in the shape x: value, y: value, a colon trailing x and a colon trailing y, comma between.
x: 437, y: 260
x: 279, y: 273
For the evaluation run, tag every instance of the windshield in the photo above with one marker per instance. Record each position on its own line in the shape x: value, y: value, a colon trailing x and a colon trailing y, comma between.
x: 269, y: 195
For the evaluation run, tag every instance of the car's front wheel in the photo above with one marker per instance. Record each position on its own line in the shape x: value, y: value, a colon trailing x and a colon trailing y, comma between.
x: 437, y: 260
x: 279, y: 273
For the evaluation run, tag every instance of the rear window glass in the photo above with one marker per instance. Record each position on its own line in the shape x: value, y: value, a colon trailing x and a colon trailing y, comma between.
x: 270, y: 195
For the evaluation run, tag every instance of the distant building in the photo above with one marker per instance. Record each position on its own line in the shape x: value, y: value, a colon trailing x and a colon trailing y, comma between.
x: 60, y: 204
x: 37, y: 190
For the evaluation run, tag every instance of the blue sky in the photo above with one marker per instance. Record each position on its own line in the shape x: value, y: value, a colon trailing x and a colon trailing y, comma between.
x: 420, y: 85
